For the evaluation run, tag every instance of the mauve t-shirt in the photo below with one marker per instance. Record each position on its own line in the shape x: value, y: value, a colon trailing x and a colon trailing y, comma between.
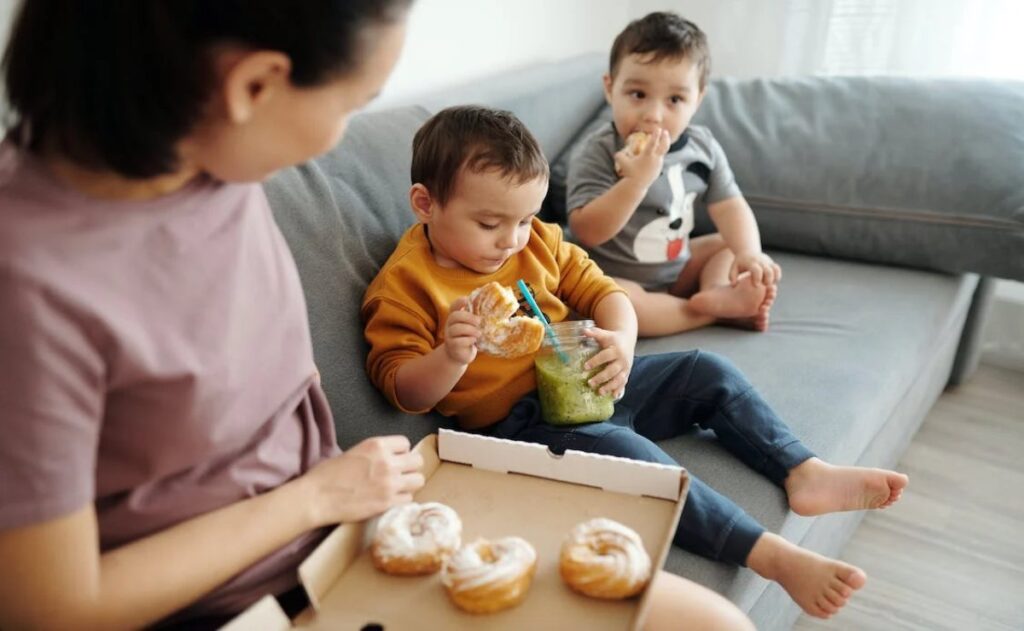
x: 155, y: 360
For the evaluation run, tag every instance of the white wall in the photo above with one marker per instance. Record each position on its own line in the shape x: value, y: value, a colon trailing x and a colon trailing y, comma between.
x: 455, y: 41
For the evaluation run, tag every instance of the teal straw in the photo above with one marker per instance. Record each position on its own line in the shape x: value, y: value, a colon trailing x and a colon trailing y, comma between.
x: 540, y: 315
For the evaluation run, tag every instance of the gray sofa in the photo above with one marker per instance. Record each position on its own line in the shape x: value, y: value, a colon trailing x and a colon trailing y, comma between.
x: 888, y: 204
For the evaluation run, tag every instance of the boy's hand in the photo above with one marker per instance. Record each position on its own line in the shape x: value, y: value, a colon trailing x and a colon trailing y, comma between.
x: 616, y: 356
x: 761, y: 267
x: 461, y: 332
x: 644, y: 167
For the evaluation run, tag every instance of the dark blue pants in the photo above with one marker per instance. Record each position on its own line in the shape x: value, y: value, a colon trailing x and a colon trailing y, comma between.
x: 666, y: 395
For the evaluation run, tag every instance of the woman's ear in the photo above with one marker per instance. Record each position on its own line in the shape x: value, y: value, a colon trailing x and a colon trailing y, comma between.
x: 421, y: 202
x: 253, y: 80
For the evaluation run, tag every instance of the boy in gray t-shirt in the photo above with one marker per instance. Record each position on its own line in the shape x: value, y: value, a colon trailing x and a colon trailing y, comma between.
x: 632, y: 187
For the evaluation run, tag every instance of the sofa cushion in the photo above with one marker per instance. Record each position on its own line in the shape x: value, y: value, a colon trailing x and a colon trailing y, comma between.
x: 342, y: 215
x: 921, y: 173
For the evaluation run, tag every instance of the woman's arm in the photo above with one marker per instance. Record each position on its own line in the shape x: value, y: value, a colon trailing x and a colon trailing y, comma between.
x: 59, y: 579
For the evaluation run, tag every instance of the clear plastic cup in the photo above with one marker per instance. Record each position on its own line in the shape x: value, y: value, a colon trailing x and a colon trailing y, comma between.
x: 565, y: 396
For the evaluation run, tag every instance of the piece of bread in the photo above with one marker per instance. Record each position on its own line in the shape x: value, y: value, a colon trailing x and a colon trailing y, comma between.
x: 502, y: 334
x: 637, y: 142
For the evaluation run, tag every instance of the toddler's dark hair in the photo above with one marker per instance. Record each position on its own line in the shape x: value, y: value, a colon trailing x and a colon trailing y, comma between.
x: 667, y: 36
x: 116, y: 84
x: 478, y: 139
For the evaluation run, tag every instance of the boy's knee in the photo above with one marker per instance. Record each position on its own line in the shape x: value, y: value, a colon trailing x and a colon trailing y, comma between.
x: 721, y: 369
x: 626, y: 443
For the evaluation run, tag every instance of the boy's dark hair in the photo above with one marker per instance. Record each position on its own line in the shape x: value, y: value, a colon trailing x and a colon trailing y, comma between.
x: 478, y: 139
x: 116, y: 84
x: 667, y: 36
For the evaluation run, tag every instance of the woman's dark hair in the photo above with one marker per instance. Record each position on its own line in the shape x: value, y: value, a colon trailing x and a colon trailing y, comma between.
x: 116, y: 84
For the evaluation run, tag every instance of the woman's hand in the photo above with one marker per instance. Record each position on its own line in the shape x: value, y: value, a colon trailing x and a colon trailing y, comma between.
x: 616, y: 358
x: 365, y: 481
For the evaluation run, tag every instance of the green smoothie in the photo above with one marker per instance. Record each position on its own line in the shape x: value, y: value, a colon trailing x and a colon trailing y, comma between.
x: 565, y: 396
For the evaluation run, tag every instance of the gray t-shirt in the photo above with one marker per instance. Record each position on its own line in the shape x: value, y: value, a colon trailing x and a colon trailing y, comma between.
x: 654, y: 246
x: 155, y: 360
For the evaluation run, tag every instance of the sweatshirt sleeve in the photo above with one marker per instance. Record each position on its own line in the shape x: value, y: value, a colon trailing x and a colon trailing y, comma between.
x: 395, y: 335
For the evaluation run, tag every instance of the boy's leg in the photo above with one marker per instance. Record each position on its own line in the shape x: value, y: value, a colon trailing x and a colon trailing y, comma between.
x: 660, y: 313
x: 669, y: 392
x: 711, y: 524
x: 705, y: 281
x: 697, y: 273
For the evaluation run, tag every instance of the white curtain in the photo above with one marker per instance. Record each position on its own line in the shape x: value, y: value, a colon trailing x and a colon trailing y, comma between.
x: 928, y: 38
x: 976, y: 38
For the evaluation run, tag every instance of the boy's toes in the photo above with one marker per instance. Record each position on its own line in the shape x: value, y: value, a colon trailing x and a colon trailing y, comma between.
x: 834, y: 597
x: 827, y: 607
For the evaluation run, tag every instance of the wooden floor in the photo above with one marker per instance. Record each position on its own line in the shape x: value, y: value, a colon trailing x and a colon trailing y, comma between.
x: 950, y: 555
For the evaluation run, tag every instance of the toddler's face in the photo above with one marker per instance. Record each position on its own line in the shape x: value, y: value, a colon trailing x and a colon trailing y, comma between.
x: 648, y: 96
x: 485, y: 222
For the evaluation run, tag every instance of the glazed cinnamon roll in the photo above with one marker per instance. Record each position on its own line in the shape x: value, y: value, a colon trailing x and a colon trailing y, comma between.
x: 602, y: 558
x: 415, y: 539
x: 488, y: 576
x: 503, y: 334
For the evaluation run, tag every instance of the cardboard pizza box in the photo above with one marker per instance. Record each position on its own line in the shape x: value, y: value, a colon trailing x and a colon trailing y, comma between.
x: 499, y: 488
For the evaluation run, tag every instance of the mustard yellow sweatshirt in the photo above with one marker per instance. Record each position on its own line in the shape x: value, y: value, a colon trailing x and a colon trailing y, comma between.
x: 406, y: 306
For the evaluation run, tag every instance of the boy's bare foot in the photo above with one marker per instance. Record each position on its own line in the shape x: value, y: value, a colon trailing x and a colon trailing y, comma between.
x: 728, y: 301
x: 816, y: 487
x: 759, y: 321
x: 821, y: 586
